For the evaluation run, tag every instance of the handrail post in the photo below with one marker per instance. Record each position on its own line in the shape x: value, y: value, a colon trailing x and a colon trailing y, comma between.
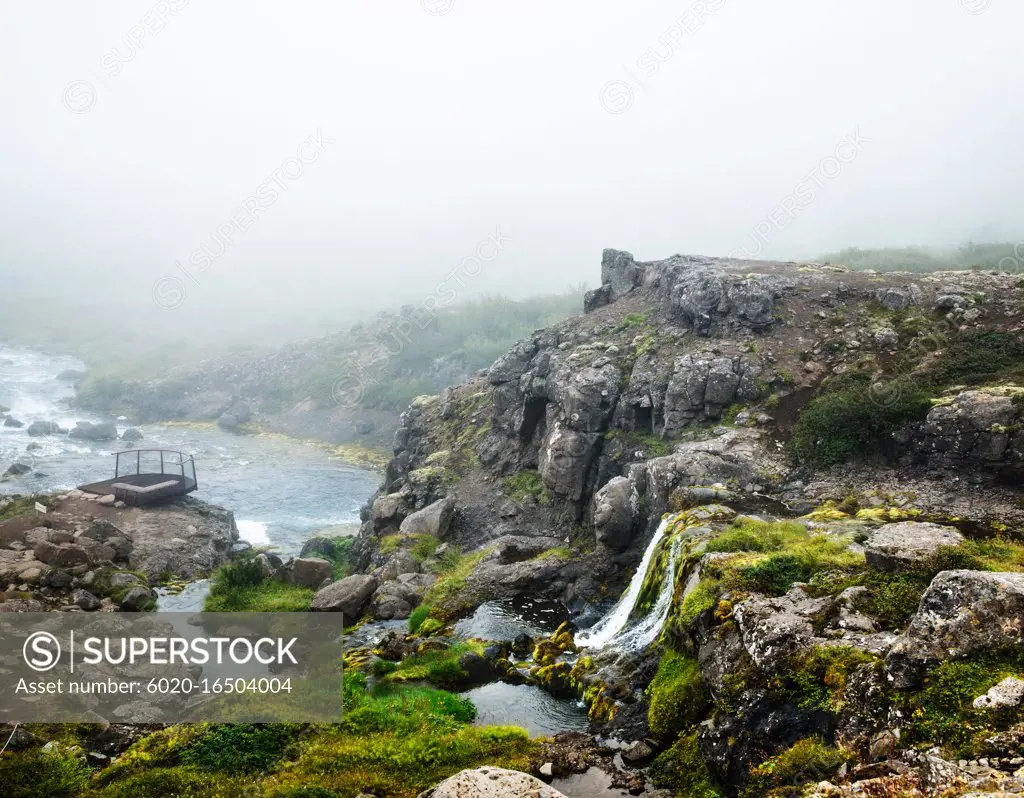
x: 138, y: 462
x: 161, y: 461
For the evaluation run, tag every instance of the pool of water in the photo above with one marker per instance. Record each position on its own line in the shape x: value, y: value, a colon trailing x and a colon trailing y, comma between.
x: 525, y: 705
x: 503, y: 620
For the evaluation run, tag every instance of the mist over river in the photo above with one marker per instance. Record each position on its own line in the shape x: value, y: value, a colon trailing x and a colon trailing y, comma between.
x: 280, y: 490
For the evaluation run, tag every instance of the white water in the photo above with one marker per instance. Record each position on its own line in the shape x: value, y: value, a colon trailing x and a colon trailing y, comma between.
x: 646, y: 632
x: 605, y: 630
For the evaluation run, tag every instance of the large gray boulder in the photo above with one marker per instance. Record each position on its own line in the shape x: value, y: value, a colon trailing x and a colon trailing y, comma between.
x: 85, y: 430
x: 16, y: 470
x: 39, y: 428
x: 236, y: 415
x: 702, y: 386
x: 131, y: 434
x: 896, y: 547
x: 962, y: 613
x: 565, y: 460
x: 615, y: 513
x: 397, y: 598
x: 979, y: 428
x: 350, y: 596
x: 11, y: 421
x: 489, y: 782
x: 431, y: 520
x: 310, y: 571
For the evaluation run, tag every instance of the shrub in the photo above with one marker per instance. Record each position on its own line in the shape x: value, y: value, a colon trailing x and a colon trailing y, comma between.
x: 842, y: 421
x: 678, y: 697
x: 241, y: 748
x: 776, y: 574
x: 41, y: 774
x: 818, y: 678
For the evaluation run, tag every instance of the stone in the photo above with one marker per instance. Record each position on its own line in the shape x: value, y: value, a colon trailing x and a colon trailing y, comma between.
x: 12, y: 422
x: 1008, y: 693
x: 615, y: 513
x: 138, y: 599
x: 121, y: 579
x: 55, y: 578
x: 107, y: 501
x: 236, y: 415
x: 39, y: 428
x: 310, y: 572
x: 350, y: 596
x: 85, y: 600
x: 401, y: 562
x: 132, y: 434
x: 85, y: 430
x: 491, y: 782
x: 324, y: 547
x: 961, y: 613
x: 637, y: 753
x: 17, y: 470
x: 434, y: 519
x: 895, y: 547
x: 60, y: 556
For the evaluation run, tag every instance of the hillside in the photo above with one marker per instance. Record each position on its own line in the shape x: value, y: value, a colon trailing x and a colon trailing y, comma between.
x: 840, y: 457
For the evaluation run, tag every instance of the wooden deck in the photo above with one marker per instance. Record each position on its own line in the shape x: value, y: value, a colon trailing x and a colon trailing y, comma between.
x: 146, y: 483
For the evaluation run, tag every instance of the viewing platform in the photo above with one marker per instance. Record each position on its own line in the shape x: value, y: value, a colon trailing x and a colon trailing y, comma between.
x: 147, y: 476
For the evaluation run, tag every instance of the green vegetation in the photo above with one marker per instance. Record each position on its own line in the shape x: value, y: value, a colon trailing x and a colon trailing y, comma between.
x: 453, y: 570
x: 984, y: 256
x: 441, y: 668
x: 418, y: 616
x: 847, y: 418
x: 524, y: 485
x: 678, y: 698
x: 943, y: 711
x: 681, y: 769
x: 42, y: 774
x: 979, y: 358
x: 648, y: 443
x: 240, y: 586
x: 241, y: 748
x: 819, y: 676
x: 788, y: 774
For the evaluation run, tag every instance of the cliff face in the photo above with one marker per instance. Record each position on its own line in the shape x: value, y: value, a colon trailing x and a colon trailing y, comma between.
x: 692, y: 372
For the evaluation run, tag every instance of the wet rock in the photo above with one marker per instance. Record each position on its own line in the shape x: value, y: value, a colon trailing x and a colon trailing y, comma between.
x: 394, y: 599
x: 489, y: 782
x: 55, y: 578
x: 393, y: 647
x: 522, y: 645
x: 11, y: 421
x: 236, y: 415
x: 39, y: 428
x: 350, y: 596
x: 895, y: 547
x: 16, y: 470
x: 309, y: 571
x: 85, y: 430
x: 138, y: 599
x: 615, y: 512
x: 961, y: 613
x: 132, y: 434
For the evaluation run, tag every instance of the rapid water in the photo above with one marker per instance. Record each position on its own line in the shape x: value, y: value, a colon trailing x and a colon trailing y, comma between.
x: 605, y: 630
x: 280, y: 490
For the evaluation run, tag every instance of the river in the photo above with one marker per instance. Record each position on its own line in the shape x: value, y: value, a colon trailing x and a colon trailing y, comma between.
x: 280, y: 490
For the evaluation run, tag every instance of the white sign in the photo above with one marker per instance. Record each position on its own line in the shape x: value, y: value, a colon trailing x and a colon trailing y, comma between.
x: 40, y: 508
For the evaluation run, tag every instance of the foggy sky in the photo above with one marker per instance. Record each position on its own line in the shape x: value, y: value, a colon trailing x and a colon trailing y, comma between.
x: 554, y: 122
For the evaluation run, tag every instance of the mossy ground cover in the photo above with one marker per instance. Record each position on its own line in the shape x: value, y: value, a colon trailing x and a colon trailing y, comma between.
x: 788, y: 774
x: 241, y: 586
x: 678, y: 698
x: 439, y: 667
x: 394, y: 741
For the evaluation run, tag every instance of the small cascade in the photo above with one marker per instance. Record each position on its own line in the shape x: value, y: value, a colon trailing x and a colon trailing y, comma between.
x: 605, y: 630
x: 646, y: 632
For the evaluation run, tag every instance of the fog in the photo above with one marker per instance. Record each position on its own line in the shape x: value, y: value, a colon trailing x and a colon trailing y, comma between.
x: 136, y: 133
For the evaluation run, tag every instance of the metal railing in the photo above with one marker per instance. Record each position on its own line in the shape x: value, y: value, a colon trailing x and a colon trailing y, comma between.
x: 178, y: 461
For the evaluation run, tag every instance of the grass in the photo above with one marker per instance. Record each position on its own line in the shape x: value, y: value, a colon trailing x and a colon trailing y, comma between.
x: 682, y: 770
x: 42, y: 774
x: 453, y: 571
x: 440, y: 668
x: 789, y: 773
x: 240, y: 586
x: 418, y: 616
x: 393, y: 741
x: 525, y: 485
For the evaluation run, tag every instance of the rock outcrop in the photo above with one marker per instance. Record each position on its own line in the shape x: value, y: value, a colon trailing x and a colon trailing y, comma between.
x: 491, y: 782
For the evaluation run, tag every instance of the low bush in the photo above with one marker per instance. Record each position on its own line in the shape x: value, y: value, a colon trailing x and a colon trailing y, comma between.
x: 682, y: 770
x: 41, y: 774
x: 788, y: 774
x: 678, y: 698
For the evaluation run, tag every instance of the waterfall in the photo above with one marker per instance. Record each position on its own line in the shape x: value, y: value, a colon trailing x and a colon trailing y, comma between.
x: 605, y: 630
x: 646, y: 632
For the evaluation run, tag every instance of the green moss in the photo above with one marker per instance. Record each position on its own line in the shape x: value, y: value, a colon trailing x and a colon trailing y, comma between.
x: 942, y: 713
x: 441, y: 667
x: 681, y: 769
x: 241, y: 587
x: 678, y: 698
x: 818, y: 677
x: 453, y: 572
x: 240, y: 748
x: 788, y: 774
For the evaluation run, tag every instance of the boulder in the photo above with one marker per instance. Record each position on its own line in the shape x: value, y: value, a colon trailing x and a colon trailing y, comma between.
x: 1008, y: 693
x: 490, y: 782
x: 615, y: 513
x: 236, y: 415
x: 131, y: 434
x: 85, y: 600
x: 121, y: 579
x: 17, y: 470
x: 324, y: 547
x: 11, y: 421
x: 66, y: 556
x: 394, y: 600
x: 565, y: 460
x: 961, y: 613
x: 431, y: 520
x: 895, y: 547
x: 350, y: 596
x: 40, y: 428
x: 401, y: 562
x: 774, y: 629
x: 138, y: 599
x: 85, y: 430
x: 310, y: 571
